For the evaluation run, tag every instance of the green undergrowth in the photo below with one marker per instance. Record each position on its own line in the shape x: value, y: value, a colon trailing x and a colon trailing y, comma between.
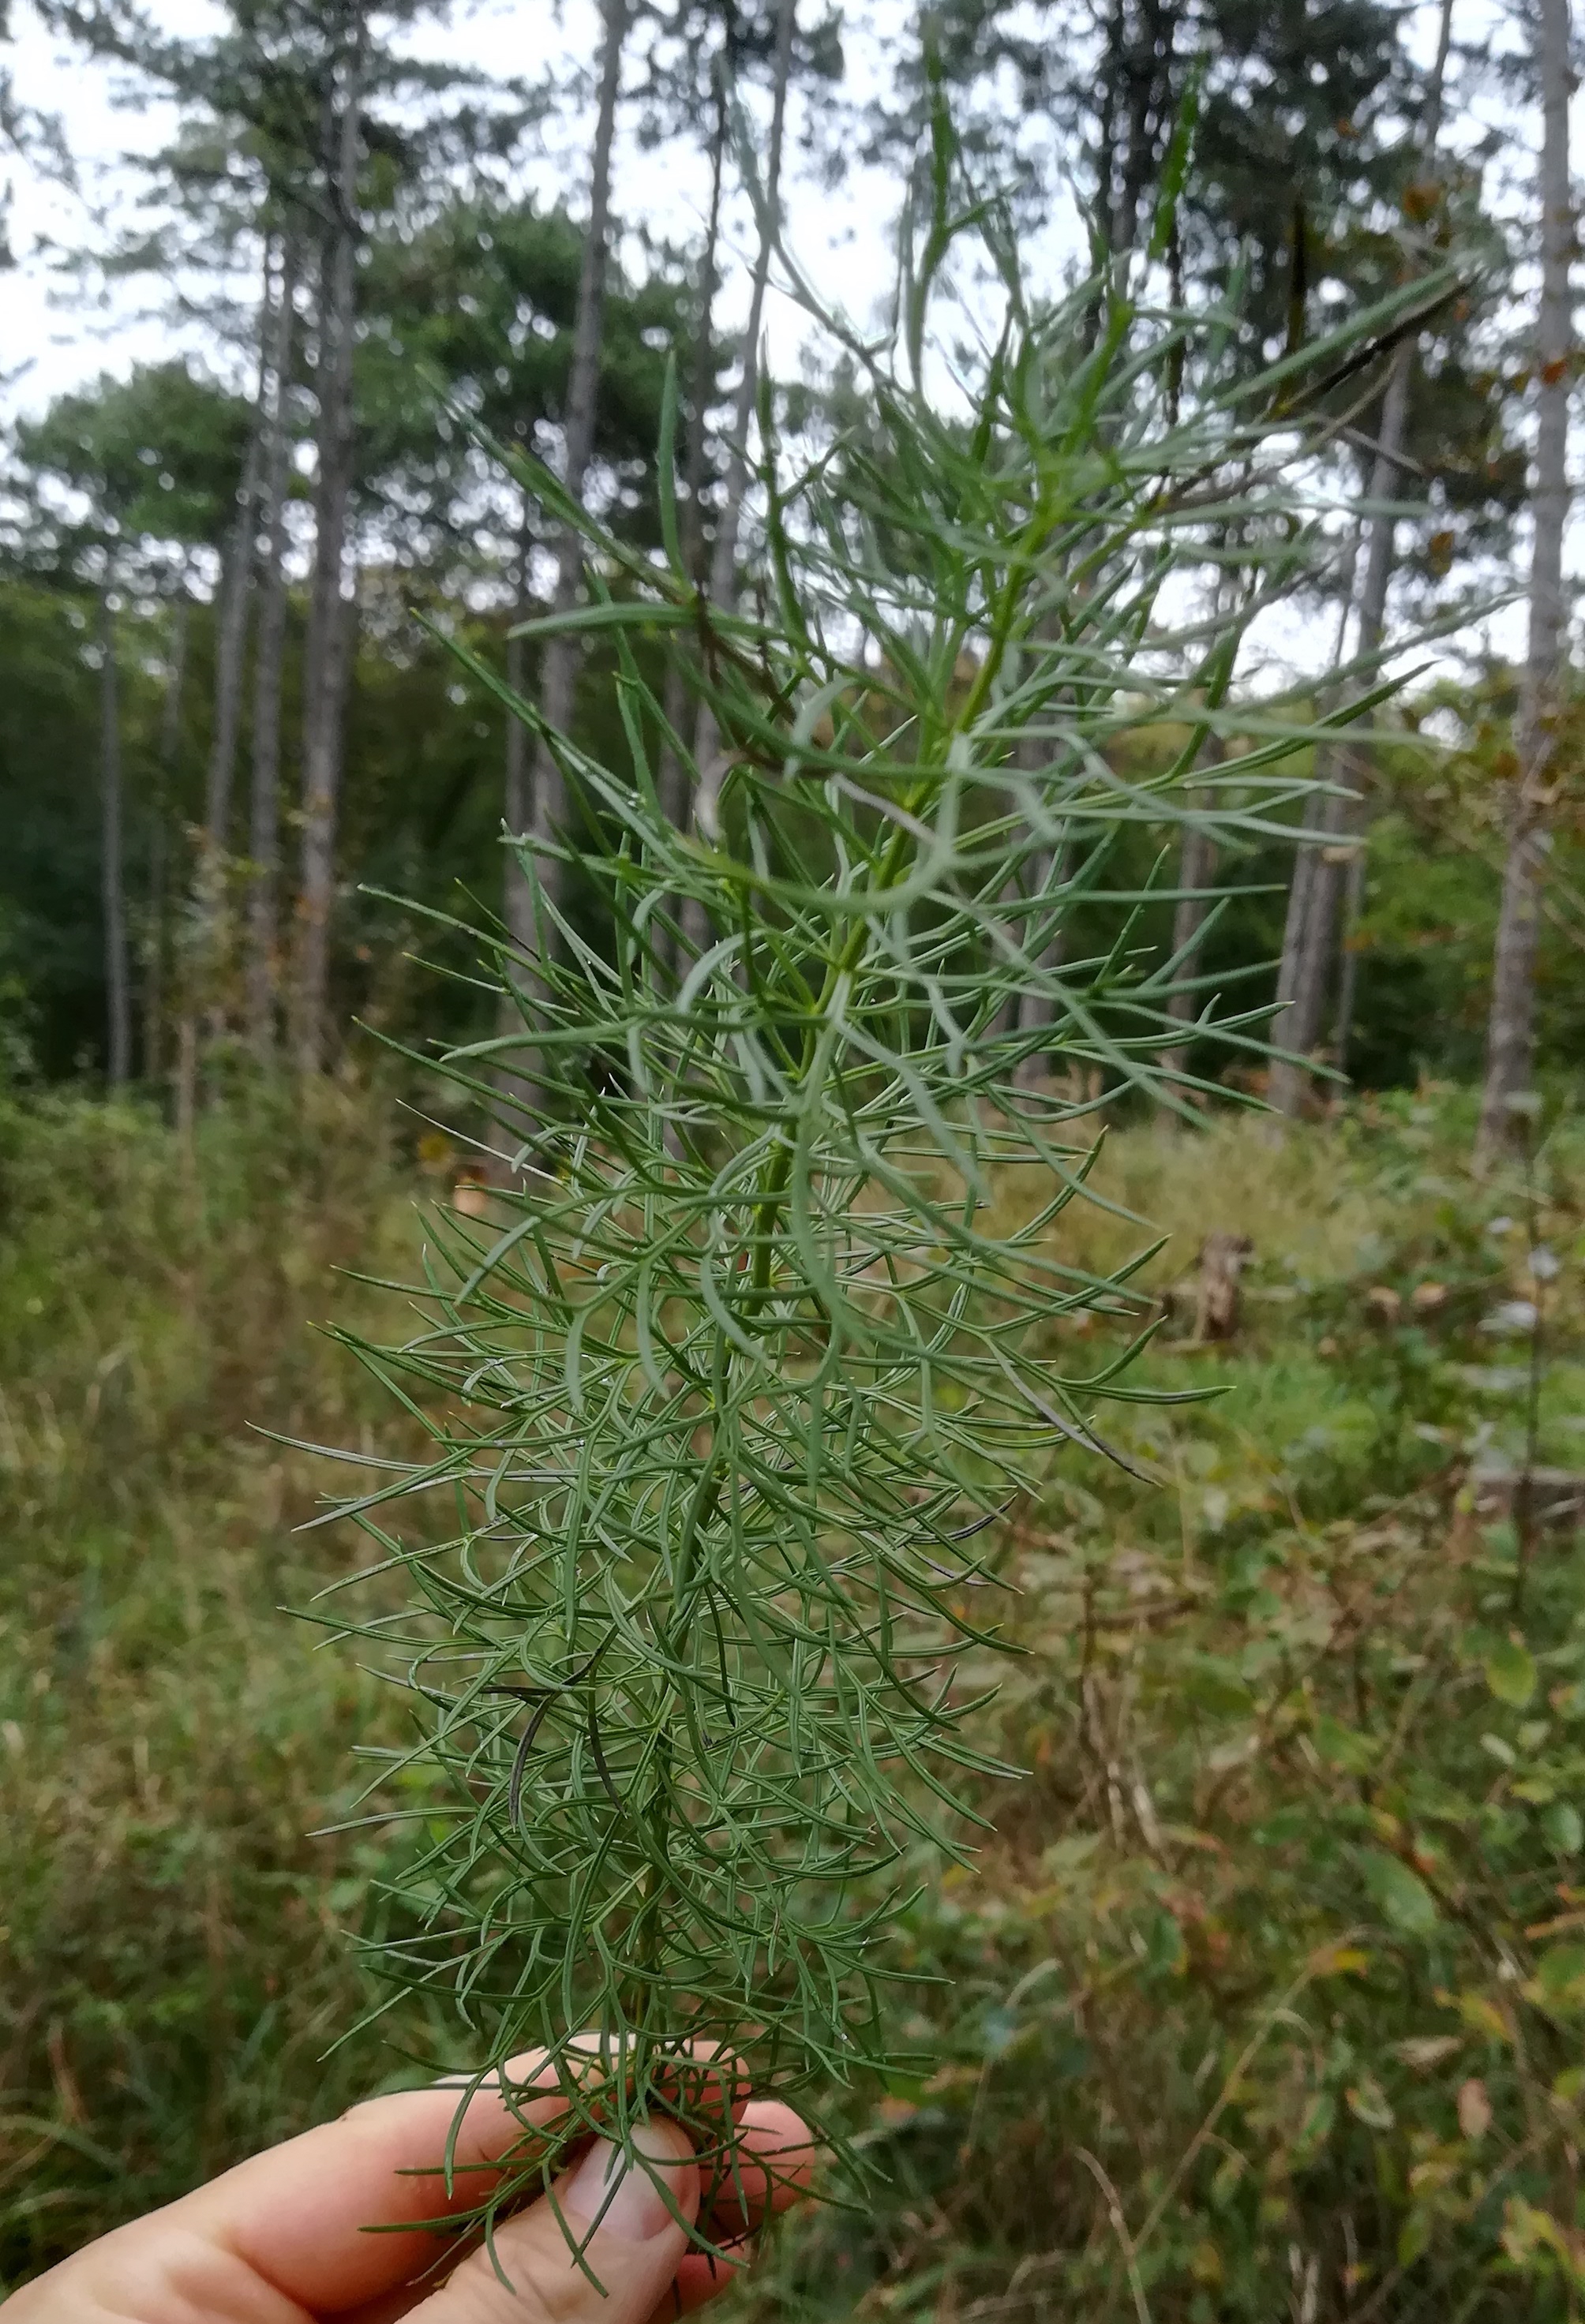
x: 174, y: 1962
x: 1264, y: 1997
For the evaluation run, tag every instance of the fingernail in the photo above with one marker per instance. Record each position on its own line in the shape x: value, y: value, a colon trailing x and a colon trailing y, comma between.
x: 621, y: 2194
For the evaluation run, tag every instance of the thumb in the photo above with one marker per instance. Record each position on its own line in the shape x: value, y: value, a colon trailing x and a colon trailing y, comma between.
x: 632, y: 2253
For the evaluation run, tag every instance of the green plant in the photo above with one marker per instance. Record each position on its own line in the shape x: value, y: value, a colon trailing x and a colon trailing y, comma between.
x: 172, y: 1963
x: 728, y: 1397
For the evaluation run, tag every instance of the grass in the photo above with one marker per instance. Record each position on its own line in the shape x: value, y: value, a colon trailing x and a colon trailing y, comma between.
x: 1264, y: 1999
x: 175, y: 1963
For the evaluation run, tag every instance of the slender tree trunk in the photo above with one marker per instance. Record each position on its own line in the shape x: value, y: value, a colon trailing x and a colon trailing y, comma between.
x: 1307, y: 941
x: 170, y: 707
x: 518, y: 912
x: 231, y: 611
x: 263, y: 934
x: 154, y: 950
x: 1510, y: 1041
x: 536, y: 805
x: 186, y: 1092
x: 1312, y: 911
x: 674, y: 782
x: 1197, y: 870
x: 1353, y: 907
x: 232, y: 605
x: 723, y: 577
x: 1381, y: 558
x: 1147, y: 71
x: 724, y: 555
x: 1329, y: 887
x: 113, y: 889
x: 328, y: 656
x: 203, y: 978
x: 1037, y: 1011
x: 517, y: 894
x: 562, y: 657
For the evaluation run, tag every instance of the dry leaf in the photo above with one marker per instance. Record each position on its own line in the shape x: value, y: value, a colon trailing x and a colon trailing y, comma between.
x: 1474, y: 2107
x: 1426, y: 2049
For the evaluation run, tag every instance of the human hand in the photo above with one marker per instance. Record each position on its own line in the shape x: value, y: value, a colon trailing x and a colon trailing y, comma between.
x: 284, y: 2238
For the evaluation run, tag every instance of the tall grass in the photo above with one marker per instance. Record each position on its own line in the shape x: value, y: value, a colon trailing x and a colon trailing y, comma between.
x: 173, y: 1967
x: 1265, y: 1998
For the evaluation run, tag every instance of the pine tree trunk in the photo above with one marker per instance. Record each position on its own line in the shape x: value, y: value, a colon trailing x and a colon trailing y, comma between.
x: 155, y: 946
x: 1037, y: 1011
x: 517, y: 894
x: 1380, y: 561
x: 112, y: 889
x: 263, y: 934
x: 1353, y: 906
x: 724, y: 555
x: 1328, y: 888
x: 1147, y: 73
x: 1307, y: 952
x: 1301, y: 996
x: 673, y: 777
x: 328, y: 651
x: 231, y: 612
x: 562, y: 657
x: 518, y: 908
x: 723, y: 578
x: 204, y: 978
x: 232, y: 606
x: 1197, y: 870
x: 1510, y: 1043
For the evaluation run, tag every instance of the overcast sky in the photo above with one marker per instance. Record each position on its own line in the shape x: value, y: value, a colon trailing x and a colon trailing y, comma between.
x: 53, y: 337
x: 53, y: 341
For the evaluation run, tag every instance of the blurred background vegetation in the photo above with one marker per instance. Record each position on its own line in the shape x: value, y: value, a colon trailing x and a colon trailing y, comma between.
x: 1265, y: 1999
x: 1268, y: 1988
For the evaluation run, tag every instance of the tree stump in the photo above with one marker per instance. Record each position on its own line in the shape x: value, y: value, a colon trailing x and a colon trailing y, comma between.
x: 1218, y: 1297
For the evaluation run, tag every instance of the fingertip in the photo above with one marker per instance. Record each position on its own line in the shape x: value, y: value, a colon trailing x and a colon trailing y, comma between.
x: 645, y: 2187
x: 782, y: 2144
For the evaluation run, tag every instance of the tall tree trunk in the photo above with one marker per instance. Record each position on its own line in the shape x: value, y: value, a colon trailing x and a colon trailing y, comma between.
x: 517, y: 894
x: 1197, y: 869
x: 327, y: 654
x: 112, y: 870
x: 1334, y: 886
x: 155, y: 948
x: 203, y: 978
x: 263, y: 934
x: 724, y: 555
x: 1147, y: 73
x: 1510, y: 1040
x: 1037, y: 1011
x: 674, y: 782
x: 1312, y: 914
x: 519, y: 899
x: 563, y: 656
x: 723, y: 577
x: 1308, y: 939
x: 536, y: 796
x: 232, y: 605
x: 231, y: 611
x: 1380, y: 560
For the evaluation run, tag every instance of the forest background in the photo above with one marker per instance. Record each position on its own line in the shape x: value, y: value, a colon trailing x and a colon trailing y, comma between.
x: 1266, y: 1998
